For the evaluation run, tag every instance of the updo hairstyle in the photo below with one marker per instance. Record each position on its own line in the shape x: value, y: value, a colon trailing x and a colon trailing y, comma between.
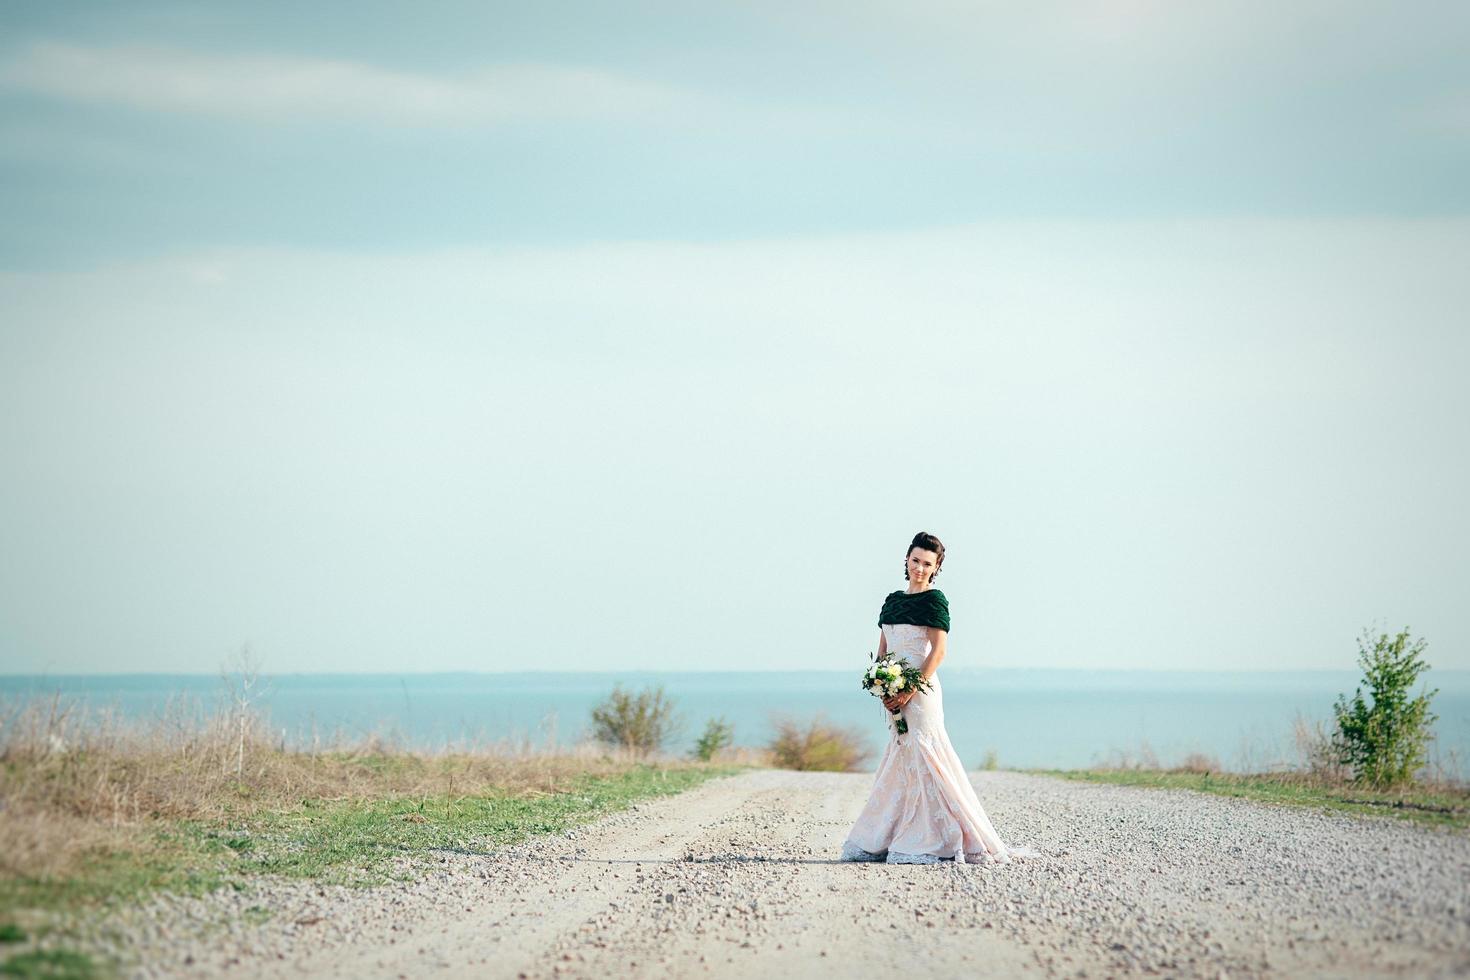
x: 927, y: 542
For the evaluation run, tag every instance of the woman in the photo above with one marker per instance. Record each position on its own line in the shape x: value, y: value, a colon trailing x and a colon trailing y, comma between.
x: 922, y: 808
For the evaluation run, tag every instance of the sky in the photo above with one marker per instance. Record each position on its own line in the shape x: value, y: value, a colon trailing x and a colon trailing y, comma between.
x: 646, y: 335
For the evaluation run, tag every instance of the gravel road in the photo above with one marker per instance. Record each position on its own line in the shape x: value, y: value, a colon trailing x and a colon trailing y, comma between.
x: 737, y: 879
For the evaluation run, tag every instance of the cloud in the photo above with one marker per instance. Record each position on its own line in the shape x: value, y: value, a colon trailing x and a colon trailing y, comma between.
x: 271, y: 88
x: 1170, y: 299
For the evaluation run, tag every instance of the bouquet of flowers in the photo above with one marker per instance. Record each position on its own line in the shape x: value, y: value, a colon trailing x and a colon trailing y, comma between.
x: 893, y: 675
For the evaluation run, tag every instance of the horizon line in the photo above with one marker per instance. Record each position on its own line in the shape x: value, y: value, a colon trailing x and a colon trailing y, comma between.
x: 658, y: 670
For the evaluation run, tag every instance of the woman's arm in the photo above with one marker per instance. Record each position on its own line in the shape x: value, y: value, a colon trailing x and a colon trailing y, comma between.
x: 939, y: 640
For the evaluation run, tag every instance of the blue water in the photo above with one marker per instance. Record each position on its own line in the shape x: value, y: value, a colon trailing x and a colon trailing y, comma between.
x: 1046, y: 718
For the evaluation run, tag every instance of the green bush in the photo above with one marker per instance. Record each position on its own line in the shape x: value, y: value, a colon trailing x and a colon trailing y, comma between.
x: 818, y: 746
x: 640, y: 722
x: 718, y: 734
x: 1383, y: 741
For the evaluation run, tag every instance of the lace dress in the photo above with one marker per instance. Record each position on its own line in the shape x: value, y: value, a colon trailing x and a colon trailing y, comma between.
x: 923, y: 809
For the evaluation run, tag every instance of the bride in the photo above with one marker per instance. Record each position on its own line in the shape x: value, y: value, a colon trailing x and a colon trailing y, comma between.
x: 922, y: 808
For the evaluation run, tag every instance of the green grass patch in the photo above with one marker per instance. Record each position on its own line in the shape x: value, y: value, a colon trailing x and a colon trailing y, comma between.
x: 12, y: 933
x: 347, y: 842
x: 1442, y: 807
x: 51, y: 964
x: 176, y: 859
x: 355, y: 843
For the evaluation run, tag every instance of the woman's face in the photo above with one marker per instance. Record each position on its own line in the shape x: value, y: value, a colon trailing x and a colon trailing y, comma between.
x: 922, y: 564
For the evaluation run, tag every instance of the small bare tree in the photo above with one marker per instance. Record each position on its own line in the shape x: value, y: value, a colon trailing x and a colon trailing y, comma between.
x: 243, y: 686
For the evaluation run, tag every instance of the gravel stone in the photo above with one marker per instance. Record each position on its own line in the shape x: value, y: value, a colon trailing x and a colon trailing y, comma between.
x: 739, y: 877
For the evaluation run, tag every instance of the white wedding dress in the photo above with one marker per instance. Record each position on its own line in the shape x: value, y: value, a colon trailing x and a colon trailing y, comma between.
x: 923, y: 809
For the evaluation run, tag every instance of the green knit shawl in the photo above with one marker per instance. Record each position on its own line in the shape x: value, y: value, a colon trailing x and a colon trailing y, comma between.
x: 929, y: 608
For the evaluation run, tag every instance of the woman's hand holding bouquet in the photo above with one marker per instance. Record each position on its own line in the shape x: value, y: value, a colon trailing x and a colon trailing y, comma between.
x: 893, y: 680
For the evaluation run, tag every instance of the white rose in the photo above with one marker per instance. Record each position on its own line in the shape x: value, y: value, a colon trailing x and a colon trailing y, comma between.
x: 898, y: 683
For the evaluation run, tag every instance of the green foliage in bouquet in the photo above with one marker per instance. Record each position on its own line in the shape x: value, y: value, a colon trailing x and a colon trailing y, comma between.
x: 1384, y: 740
x: 887, y: 676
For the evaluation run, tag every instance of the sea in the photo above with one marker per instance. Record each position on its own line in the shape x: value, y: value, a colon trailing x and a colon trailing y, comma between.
x: 1056, y: 719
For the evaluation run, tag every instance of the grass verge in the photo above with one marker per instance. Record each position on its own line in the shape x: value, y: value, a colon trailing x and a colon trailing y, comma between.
x: 358, y: 841
x: 51, y: 964
x: 358, y: 844
x: 1441, y: 806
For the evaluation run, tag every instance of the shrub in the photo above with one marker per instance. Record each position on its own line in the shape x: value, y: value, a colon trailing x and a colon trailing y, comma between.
x: 718, y: 734
x: 639, y: 722
x: 819, y: 746
x: 1200, y: 762
x: 1384, y: 741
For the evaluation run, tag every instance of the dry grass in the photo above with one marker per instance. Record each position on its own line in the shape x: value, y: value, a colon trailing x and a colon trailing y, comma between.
x: 1315, y: 754
x: 819, y: 745
x: 1312, y: 762
x: 1120, y: 760
x: 1314, y: 778
x: 1431, y: 803
x: 1200, y: 762
x: 75, y: 783
x: 744, y: 757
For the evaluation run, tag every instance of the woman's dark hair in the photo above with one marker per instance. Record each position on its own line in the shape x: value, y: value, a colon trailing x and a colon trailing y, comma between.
x: 928, y: 542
